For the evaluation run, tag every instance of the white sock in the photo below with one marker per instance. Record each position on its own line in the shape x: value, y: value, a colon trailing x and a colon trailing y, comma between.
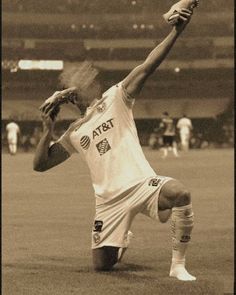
x: 179, y: 271
x: 181, y: 227
x: 14, y: 149
x: 11, y: 148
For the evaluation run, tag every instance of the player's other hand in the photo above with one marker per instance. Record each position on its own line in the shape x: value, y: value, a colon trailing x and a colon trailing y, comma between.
x: 184, y: 17
x: 49, y: 119
x: 58, y: 98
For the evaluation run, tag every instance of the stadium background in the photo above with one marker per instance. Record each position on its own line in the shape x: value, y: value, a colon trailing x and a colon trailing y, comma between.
x: 196, y: 78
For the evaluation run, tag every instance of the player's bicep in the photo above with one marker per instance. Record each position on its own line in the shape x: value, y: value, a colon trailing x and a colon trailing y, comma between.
x: 56, y: 155
x: 134, y: 82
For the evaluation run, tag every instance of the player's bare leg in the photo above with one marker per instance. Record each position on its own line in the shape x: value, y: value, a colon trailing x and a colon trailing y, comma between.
x: 174, y: 150
x: 175, y: 199
x: 105, y: 258
x: 165, y: 152
x: 12, y: 149
x: 184, y: 142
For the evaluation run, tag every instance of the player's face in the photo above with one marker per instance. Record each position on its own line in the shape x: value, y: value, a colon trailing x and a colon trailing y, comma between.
x: 86, y: 97
x: 92, y: 92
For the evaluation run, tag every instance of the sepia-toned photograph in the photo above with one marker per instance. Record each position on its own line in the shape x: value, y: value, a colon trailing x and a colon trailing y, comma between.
x: 118, y: 147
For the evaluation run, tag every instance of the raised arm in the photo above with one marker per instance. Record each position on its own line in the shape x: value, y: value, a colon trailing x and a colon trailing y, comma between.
x: 47, y: 156
x: 136, y: 79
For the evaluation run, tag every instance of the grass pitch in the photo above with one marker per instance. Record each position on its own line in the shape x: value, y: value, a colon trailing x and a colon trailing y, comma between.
x: 47, y: 218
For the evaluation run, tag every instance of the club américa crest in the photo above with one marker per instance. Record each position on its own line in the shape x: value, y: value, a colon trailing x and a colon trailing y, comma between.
x: 101, y: 107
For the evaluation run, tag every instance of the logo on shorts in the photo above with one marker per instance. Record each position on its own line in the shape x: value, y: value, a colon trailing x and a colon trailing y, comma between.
x: 85, y: 142
x: 98, y: 224
x: 185, y: 239
x: 103, y: 146
x: 96, y: 238
x: 154, y: 182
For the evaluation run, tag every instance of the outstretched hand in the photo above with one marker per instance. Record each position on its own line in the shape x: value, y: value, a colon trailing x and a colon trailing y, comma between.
x: 183, y: 18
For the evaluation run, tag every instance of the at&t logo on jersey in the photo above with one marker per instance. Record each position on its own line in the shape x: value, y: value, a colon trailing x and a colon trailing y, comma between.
x: 102, y: 146
x: 103, y: 128
x: 85, y: 142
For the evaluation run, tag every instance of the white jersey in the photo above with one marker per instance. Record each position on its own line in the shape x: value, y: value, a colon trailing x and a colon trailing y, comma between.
x: 12, y: 131
x: 107, y: 139
x: 184, y: 125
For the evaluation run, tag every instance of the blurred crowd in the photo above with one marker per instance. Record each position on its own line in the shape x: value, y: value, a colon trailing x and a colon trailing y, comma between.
x: 218, y: 134
x: 79, y: 6
x: 98, y: 6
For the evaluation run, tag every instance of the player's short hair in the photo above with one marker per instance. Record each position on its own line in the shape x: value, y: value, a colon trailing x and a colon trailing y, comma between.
x: 81, y: 76
x: 166, y: 113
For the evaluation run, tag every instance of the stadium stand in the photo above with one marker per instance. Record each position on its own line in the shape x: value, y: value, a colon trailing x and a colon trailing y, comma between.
x: 117, y: 36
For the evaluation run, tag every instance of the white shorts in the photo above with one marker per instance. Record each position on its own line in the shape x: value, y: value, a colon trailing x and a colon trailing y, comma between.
x: 12, y: 140
x: 114, y: 218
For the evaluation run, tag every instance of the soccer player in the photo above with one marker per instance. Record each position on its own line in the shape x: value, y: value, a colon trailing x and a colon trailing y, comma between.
x: 185, y: 127
x: 13, y: 131
x: 168, y: 135
x: 124, y: 182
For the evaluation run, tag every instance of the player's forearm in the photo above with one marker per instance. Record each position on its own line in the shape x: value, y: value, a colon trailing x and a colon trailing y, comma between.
x: 41, y: 153
x: 159, y: 53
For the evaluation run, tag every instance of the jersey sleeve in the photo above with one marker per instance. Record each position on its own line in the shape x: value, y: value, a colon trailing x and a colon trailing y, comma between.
x: 65, y: 141
x: 126, y: 97
x: 119, y: 93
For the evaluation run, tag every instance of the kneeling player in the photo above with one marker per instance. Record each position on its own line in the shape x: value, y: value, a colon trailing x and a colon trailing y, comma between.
x: 124, y: 182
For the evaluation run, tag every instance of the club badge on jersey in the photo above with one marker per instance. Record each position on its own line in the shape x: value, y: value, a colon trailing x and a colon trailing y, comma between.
x: 101, y: 107
x: 96, y: 238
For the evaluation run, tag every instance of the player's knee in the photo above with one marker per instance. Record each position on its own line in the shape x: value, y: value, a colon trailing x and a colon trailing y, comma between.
x: 182, y: 197
x: 173, y: 194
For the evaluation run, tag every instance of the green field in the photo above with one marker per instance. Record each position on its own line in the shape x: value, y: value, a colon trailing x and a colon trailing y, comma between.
x: 47, y: 218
